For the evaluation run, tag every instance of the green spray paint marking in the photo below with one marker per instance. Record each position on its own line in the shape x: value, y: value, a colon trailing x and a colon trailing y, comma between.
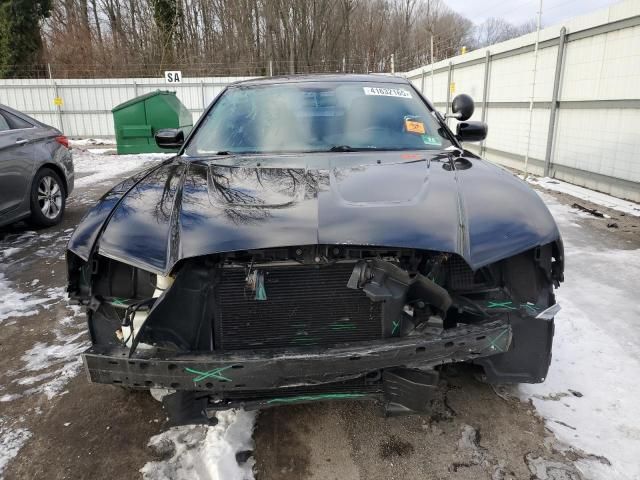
x: 508, y: 305
x: 343, y: 326
x: 261, y: 293
x: 396, y: 325
x: 530, y: 307
x: 493, y: 345
x: 303, y: 340
x: 215, y: 373
x: 325, y: 396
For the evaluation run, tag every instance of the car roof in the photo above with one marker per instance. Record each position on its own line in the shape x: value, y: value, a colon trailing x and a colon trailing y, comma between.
x: 323, y: 77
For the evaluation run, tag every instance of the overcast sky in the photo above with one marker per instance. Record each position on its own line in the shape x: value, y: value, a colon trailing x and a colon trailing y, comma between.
x: 518, y: 11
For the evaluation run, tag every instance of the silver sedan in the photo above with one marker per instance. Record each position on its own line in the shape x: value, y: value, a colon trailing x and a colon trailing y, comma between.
x: 36, y: 170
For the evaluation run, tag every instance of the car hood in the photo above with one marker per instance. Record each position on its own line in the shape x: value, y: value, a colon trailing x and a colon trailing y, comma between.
x: 440, y: 201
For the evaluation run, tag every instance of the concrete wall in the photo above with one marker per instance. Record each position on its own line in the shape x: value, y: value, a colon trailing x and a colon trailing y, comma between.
x: 594, y: 139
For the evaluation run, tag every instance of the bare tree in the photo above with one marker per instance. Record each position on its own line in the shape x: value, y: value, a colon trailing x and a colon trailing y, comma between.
x: 495, y: 30
x: 244, y: 37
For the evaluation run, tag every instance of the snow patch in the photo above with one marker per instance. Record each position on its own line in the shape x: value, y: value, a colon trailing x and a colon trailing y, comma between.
x: 202, y: 452
x: 9, y: 397
x: 53, y: 364
x: 23, y: 304
x: 15, y: 303
x: 86, y: 142
x: 34, y: 379
x: 11, y: 441
x: 93, y: 168
x: 598, y: 198
x: 543, y: 469
x: 42, y: 355
x: 63, y: 355
x: 7, y: 252
x: 104, y: 151
x: 589, y: 399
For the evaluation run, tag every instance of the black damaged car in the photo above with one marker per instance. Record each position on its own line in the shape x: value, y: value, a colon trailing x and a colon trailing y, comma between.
x: 317, y: 237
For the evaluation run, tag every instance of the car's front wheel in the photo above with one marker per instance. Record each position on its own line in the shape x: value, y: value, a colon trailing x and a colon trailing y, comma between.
x: 47, y: 198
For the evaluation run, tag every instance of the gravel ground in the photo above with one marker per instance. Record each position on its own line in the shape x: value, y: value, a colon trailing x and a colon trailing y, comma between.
x: 55, y: 425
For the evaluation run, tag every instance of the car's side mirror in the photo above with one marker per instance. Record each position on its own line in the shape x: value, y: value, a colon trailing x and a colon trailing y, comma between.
x: 462, y: 107
x: 471, y: 131
x: 169, y: 138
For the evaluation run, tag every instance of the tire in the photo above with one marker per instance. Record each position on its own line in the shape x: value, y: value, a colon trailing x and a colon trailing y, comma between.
x: 48, y: 198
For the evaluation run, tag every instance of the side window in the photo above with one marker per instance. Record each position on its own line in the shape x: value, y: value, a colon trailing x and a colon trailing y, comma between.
x: 9, y: 121
x: 4, y: 125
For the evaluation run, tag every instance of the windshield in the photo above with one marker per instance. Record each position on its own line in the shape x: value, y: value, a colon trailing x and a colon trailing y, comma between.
x: 318, y: 117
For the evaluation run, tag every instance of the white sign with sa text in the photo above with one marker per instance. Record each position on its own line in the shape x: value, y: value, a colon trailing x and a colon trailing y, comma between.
x: 173, y: 76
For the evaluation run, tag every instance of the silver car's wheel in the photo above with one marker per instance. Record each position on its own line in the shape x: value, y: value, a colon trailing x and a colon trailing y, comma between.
x: 49, y: 197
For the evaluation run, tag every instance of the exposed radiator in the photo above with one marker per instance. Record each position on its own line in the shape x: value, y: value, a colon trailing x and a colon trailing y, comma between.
x: 306, y: 305
x: 460, y: 275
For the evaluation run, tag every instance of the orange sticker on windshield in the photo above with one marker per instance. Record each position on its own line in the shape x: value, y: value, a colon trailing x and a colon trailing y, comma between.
x: 413, y: 126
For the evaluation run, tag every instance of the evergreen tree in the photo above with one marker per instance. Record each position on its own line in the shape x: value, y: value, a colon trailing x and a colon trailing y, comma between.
x: 165, y: 15
x: 20, y: 36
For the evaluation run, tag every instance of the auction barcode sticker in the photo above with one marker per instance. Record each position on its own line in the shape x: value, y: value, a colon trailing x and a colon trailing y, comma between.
x: 387, y: 92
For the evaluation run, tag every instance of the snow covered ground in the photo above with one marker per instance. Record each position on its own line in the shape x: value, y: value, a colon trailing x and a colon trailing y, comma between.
x: 11, y: 441
x: 15, y: 303
x: 50, y: 364
x: 598, y: 198
x: 96, y: 165
x: 198, y: 452
x: 90, y: 142
x: 46, y: 367
x: 590, y: 398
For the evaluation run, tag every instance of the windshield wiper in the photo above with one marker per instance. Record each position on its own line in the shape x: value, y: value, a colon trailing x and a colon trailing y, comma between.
x: 347, y: 148
x: 341, y: 148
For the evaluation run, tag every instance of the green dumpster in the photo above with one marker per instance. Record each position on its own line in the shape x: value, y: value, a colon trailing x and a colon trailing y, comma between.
x: 136, y: 121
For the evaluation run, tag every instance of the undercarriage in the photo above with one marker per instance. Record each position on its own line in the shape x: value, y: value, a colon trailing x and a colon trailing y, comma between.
x: 269, y: 327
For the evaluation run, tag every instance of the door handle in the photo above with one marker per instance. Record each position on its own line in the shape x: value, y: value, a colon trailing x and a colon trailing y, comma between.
x: 21, y: 141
